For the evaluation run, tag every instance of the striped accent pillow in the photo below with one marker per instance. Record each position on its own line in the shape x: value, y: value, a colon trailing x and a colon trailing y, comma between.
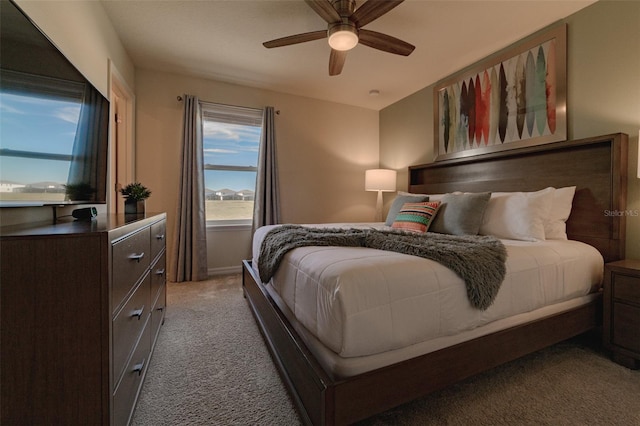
x: 416, y: 217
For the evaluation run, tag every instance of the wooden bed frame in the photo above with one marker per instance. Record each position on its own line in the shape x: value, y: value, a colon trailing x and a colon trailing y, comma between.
x: 597, y: 166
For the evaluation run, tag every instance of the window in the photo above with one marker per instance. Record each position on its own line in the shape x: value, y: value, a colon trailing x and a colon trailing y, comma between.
x: 231, y: 139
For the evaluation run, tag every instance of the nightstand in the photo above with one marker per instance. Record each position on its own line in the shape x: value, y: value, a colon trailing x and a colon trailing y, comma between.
x: 621, y: 322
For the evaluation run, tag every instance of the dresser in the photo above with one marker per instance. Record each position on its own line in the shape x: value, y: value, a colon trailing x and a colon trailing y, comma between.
x: 81, y: 304
x: 621, y: 322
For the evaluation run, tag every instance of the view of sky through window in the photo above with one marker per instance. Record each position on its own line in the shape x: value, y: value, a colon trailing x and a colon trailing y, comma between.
x: 52, y: 133
x: 230, y: 145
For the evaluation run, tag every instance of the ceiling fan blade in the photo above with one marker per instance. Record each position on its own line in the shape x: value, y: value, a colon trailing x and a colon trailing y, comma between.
x: 295, y: 39
x: 385, y: 42
x: 336, y: 61
x: 371, y: 10
x: 325, y: 10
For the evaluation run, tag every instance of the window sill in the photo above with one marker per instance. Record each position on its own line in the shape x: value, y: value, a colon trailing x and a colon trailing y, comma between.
x: 225, y: 226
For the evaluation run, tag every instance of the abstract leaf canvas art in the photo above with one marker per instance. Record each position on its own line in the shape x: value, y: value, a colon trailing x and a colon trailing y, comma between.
x: 513, y: 99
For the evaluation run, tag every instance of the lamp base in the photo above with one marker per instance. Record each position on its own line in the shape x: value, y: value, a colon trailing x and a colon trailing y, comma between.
x: 378, y: 217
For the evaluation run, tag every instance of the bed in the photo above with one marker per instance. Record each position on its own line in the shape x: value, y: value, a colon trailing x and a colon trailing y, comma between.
x: 333, y: 383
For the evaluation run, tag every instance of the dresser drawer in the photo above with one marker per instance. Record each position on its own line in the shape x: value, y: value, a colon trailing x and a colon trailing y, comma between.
x: 128, y: 324
x: 125, y: 394
x: 130, y: 259
x: 157, y: 314
x: 158, y: 233
x: 158, y: 276
x: 627, y: 288
x: 626, y: 332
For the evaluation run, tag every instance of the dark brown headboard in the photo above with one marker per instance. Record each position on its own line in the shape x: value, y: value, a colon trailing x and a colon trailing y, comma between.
x: 596, y: 166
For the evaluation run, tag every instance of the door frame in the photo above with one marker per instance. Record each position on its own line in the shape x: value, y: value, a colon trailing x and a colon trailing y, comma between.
x: 122, y: 139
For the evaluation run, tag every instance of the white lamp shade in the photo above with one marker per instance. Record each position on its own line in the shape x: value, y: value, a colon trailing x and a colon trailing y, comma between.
x: 380, y: 180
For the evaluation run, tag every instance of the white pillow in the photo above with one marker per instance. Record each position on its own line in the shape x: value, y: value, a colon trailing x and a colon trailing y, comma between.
x: 556, y: 227
x: 518, y: 215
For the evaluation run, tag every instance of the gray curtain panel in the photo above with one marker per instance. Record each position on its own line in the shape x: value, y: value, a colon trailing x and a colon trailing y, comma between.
x: 190, y: 242
x: 266, y: 208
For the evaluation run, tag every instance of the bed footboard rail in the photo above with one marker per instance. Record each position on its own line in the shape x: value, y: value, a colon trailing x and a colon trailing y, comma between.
x: 308, y: 384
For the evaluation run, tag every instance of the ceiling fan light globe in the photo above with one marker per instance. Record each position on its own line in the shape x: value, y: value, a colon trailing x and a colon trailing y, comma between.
x: 343, y: 37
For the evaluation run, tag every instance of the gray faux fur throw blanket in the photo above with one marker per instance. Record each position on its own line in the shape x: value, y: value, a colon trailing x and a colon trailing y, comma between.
x: 478, y: 260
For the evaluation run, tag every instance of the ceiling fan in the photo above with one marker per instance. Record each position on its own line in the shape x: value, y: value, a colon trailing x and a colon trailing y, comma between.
x: 345, y: 30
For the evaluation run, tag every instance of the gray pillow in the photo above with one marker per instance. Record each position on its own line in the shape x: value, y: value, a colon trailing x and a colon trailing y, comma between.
x: 399, y: 201
x: 460, y: 214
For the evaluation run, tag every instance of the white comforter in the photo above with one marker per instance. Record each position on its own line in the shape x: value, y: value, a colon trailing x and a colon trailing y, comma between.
x: 360, y: 301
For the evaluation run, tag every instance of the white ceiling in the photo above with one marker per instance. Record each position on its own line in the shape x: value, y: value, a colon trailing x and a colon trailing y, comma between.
x: 222, y: 40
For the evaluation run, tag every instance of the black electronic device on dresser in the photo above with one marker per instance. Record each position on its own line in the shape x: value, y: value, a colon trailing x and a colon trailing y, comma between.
x: 621, y: 323
x: 81, y: 304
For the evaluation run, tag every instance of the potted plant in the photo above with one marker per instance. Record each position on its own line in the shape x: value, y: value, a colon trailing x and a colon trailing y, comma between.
x: 135, y: 195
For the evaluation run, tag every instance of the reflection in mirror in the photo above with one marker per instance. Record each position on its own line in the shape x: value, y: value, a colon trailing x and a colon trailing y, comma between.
x: 53, y: 122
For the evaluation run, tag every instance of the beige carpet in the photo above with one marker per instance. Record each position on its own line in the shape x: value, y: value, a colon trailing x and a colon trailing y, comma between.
x: 211, y: 367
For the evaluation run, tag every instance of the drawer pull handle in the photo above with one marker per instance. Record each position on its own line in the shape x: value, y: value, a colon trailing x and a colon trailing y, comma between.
x: 160, y: 237
x: 136, y: 257
x: 161, y: 308
x: 138, y: 313
x: 160, y: 272
x: 138, y: 368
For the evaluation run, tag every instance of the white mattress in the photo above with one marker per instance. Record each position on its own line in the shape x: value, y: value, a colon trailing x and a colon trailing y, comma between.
x: 361, y: 302
x: 339, y: 367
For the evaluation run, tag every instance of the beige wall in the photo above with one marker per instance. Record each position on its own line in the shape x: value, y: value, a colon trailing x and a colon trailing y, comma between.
x: 603, y: 97
x: 323, y: 151
x: 84, y: 34
x: 82, y: 31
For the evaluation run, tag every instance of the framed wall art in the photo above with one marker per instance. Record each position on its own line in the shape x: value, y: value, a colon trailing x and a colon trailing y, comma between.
x: 514, y: 98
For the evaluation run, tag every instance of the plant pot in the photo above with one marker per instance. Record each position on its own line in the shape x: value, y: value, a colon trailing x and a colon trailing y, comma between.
x: 134, y: 207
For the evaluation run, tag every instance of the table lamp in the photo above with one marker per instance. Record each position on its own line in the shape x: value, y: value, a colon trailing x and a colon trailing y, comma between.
x: 381, y: 180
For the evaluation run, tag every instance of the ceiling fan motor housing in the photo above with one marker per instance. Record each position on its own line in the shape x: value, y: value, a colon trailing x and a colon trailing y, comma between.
x: 344, y: 7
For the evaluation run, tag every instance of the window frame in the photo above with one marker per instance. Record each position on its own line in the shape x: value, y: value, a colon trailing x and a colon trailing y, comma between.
x: 230, y: 114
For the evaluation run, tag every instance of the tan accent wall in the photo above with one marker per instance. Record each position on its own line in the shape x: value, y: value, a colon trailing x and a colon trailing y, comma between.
x: 603, y: 96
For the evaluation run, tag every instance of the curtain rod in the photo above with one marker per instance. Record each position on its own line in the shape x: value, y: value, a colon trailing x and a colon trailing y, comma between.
x: 236, y: 106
